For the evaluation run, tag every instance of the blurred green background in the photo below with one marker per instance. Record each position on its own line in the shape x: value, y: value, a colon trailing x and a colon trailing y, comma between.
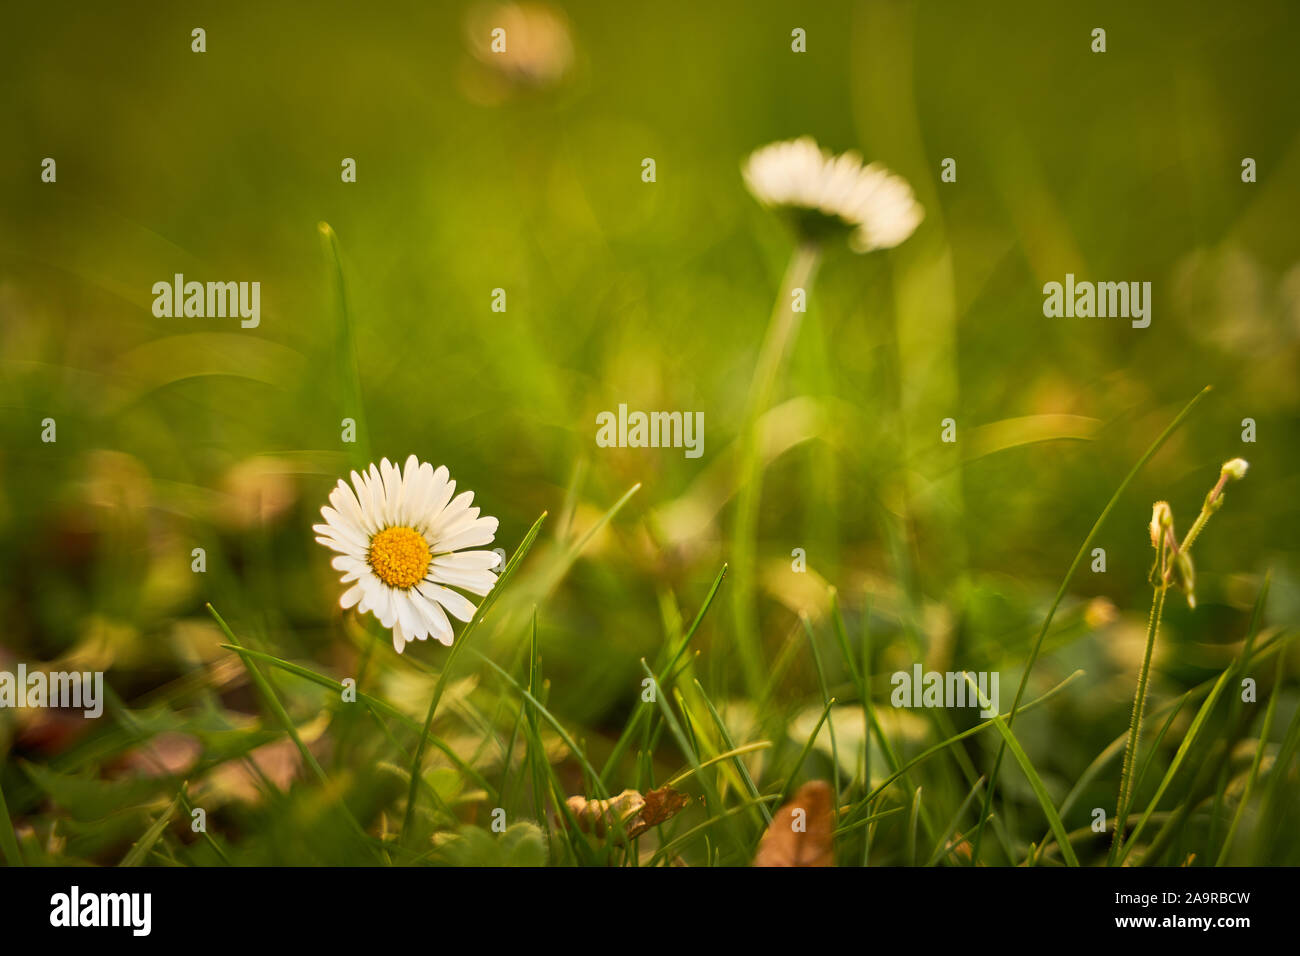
x: 183, y: 433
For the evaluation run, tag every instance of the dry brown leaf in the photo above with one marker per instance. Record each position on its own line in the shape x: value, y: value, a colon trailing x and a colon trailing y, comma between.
x: 801, y: 831
x: 636, y: 812
x: 170, y: 753
x: 279, y: 762
x: 660, y: 806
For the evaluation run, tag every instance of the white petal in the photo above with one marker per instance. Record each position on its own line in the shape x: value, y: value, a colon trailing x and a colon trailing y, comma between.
x: 392, y: 479
x: 345, y: 503
x: 378, y: 499
x: 381, y: 598
x: 435, y: 620
x: 455, y: 525
x: 441, y: 492
x: 334, y: 544
x: 480, y: 533
x: 431, y: 488
x: 343, y: 526
x: 412, y: 622
x: 476, y: 582
x: 361, y: 490
x: 457, y: 604
x: 353, y: 568
x: 470, y: 560
x: 439, y: 626
x: 459, y: 505
x: 415, y: 491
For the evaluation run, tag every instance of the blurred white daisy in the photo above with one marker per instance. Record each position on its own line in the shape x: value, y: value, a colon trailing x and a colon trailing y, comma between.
x: 827, y: 194
x: 399, y: 537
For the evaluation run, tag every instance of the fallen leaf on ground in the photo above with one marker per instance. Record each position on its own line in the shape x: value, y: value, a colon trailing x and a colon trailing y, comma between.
x: 636, y: 812
x: 801, y: 831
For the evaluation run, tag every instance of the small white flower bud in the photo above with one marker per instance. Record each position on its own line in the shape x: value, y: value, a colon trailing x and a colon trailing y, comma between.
x: 1235, y: 469
x: 1162, y: 517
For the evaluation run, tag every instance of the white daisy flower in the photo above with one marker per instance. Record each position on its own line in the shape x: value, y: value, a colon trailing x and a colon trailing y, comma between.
x: 399, y: 537
x: 827, y: 193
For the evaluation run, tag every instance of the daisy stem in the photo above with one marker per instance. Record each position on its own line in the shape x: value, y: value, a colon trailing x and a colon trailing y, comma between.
x: 782, y: 328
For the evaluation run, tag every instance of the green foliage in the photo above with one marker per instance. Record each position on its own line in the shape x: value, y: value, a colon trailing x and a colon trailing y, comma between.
x: 175, y: 434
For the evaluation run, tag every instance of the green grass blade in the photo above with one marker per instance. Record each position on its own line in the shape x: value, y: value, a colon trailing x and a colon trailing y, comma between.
x: 1264, y: 732
x: 1193, y: 732
x: 551, y: 719
x: 913, y: 818
x: 940, y: 848
x: 272, y: 700
x: 140, y: 851
x: 537, y: 760
x: 712, y: 803
x: 417, y: 765
x: 578, y: 753
x: 1060, y: 595
x: 731, y: 747
x: 672, y: 845
x: 781, y: 328
x: 826, y: 699
x: 375, y: 704
x: 1277, y: 777
x: 931, y: 751
x: 1155, y: 746
x: 1109, y: 753
x: 625, y: 738
x: 788, y: 787
x: 1036, y: 782
x: 730, y: 754
x: 857, y: 675
x: 556, y: 573
x: 868, y: 820
x: 345, y: 352
x: 8, y: 839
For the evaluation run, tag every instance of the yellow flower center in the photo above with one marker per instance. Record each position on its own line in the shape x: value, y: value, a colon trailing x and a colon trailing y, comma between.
x: 399, y: 556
